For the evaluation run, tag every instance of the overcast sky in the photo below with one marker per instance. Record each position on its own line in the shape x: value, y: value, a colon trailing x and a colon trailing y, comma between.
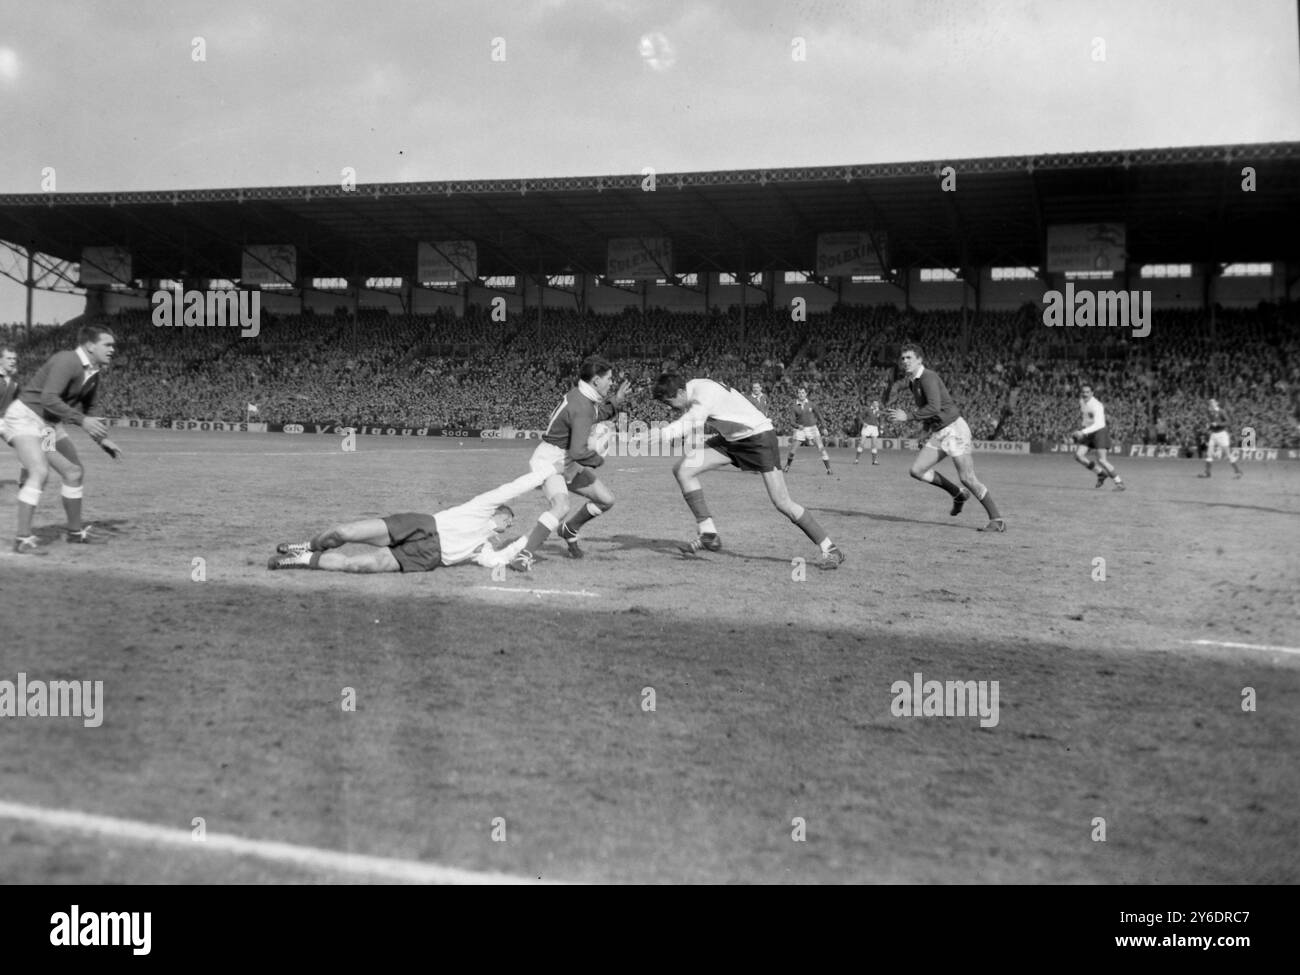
x: 111, y: 96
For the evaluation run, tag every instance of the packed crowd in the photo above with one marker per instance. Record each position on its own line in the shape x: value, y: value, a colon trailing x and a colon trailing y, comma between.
x: 1013, y: 378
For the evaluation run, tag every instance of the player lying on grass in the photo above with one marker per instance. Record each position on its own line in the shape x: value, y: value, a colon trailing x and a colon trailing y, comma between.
x: 62, y: 391
x: 420, y: 543
x: 745, y: 439
x: 949, y: 436
x: 566, y: 458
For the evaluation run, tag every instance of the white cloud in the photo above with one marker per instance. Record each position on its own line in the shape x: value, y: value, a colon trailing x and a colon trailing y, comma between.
x: 8, y: 64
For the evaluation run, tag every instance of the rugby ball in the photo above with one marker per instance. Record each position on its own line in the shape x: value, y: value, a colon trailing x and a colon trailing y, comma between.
x: 602, y: 438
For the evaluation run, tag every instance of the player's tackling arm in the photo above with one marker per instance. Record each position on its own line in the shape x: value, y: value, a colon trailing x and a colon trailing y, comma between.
x: 692, y: 419
x: 488, y: 501
x: 490, y: 558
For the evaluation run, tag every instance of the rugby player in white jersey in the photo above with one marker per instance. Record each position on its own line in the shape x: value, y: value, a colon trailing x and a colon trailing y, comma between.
x: 745, y: 439
x: 413, y: 542
x: 1093, y: 436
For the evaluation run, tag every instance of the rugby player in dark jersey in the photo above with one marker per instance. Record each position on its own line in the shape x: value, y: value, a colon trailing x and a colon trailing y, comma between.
x: 567, y: 458
x: 1220, y: 444
x: 61, y: 392
x: 870, y: 433
x: 949, y: 436
x: 807, y: 424
x: 9, y: 392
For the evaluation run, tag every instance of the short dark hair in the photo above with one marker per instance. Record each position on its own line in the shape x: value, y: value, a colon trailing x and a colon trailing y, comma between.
x: 91, y: 333
x: 506, y: 510
x: 668, y: 385
x: 7, y: 348
x: 594, y: 366
x: 911, y: 346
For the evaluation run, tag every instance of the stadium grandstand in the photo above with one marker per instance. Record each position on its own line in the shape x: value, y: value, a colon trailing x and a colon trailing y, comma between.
x: 467, y: 305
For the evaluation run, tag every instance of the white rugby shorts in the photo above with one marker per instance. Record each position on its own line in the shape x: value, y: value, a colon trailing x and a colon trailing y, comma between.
x: 954, y: 439
x: 1220, y: 444
x: 20, y: 420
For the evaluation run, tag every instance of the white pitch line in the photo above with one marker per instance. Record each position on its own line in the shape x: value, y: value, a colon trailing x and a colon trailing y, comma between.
x: 542, y: 592
x: 1242, y: 646
x: 411, y: 871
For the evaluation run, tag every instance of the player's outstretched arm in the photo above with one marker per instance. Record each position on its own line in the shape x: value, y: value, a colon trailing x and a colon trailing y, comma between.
x: 490, y: 558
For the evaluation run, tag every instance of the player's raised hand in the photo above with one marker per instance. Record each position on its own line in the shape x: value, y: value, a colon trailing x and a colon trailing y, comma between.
x: 621, y: 394
x: 95, y: 428
x: 898, y: 416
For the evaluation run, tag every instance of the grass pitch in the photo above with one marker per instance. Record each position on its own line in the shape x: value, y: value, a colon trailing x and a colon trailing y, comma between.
x: 502, y: 723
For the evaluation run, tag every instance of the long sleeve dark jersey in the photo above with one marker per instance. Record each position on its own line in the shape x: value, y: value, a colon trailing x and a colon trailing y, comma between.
x: 59, y: 391
x: 570, y: 426
x: 934, y: 405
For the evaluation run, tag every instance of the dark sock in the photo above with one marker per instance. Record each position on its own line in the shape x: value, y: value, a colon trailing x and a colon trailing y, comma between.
x: 695, y: 501
x: 314, y: 561
x: 947, y: 485
x: 25, y: 512
x: 828, y: 465
x: 537, y: 536
x: 72, y: 508
x: 807, y: 524
x: 579, y: 518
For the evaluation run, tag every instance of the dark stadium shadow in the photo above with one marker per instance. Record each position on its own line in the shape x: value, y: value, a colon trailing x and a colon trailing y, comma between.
x: 874, y: 516
x: 1243, y: 507
x: 53, y: 533
x: 669, y: 547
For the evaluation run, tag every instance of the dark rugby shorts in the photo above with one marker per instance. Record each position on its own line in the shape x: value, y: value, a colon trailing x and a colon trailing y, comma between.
x: 1097, y: 440
x: 414, y: 541
x: 577, y: 476
x: 760, y: 453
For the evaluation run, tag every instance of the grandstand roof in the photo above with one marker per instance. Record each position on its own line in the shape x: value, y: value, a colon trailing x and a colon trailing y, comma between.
x: 1179, y: 205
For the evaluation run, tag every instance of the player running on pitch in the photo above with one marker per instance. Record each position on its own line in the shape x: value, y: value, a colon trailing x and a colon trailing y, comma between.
x: 870, y: 433
x: 62, y: 391
x: 568, y: 461
x: 1220, y: 443
x: 1093, y: 436
x: 807, y: 422
x: 949, y: 435
x: 745, y: 439
x: 413, y: 542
